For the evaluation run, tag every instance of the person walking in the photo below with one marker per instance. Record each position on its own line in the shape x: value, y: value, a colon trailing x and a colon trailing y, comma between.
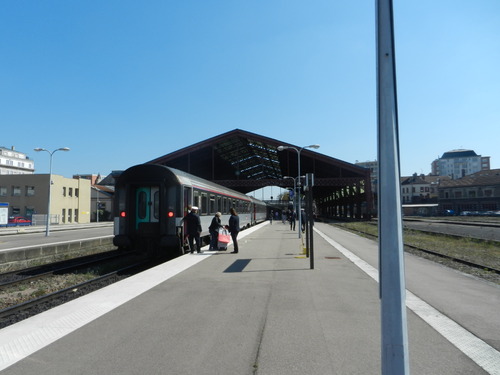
x: 234, y: 229
x: 193, y: 228
x: 292, y: 216
x: 214, y: 227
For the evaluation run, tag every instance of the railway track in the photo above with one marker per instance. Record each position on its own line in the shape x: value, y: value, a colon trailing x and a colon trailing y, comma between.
x: 33, y: 273
x: 483, y: 268
x: 46, y: 290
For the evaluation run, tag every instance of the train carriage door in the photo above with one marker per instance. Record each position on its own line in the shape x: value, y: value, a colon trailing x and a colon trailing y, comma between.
x: 147, y: 200
x: 188, y: 198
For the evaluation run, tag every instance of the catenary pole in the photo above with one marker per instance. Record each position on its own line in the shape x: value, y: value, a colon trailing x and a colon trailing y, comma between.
x: 394, y: 355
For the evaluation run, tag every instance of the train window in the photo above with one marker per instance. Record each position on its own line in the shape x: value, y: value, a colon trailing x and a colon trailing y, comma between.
x: 219, y: 204
x: 142, y: 205
x: 212, y: 204
x: 156, y: 205
x: 196, y: 198
x: 204, y: 204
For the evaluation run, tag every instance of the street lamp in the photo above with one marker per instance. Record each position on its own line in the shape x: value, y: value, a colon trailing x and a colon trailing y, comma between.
x: 281, y: 148
x: 47, y: 230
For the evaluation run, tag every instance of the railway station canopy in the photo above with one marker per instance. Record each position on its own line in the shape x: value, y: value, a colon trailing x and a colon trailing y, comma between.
x: 245, y: 162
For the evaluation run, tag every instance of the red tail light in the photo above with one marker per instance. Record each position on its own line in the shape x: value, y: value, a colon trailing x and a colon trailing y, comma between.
x: 170, y: 214
x: 123, y: 214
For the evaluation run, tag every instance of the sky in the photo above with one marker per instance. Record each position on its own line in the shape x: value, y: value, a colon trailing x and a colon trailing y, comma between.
x: 123, y: 82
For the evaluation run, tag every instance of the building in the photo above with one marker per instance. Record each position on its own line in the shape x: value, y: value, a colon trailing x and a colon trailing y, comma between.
x: 459, y: 163
x: 478, y: 193
x: 101, y: 199
x: 15, y: 162
x: 420, y: 189
x: 27, y: 195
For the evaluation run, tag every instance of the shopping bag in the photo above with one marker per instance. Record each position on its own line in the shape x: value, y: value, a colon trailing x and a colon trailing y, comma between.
x: 224, y: 236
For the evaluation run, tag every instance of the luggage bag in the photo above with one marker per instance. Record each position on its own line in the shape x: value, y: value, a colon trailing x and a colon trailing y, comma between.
x: 223, y: 239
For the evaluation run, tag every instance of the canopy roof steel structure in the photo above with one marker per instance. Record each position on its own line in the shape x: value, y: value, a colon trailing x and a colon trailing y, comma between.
x: 246, y: 161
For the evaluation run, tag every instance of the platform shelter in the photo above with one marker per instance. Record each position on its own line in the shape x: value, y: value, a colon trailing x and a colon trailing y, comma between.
x: 245, y: 162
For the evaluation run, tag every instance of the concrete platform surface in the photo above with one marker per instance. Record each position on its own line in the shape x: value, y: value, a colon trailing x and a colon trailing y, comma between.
x: 262, y: 311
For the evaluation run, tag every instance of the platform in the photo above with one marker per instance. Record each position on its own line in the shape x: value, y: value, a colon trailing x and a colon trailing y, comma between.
x: 262, y: 311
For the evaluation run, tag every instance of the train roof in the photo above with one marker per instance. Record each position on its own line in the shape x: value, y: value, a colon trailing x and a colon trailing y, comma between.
x: 181, y: 177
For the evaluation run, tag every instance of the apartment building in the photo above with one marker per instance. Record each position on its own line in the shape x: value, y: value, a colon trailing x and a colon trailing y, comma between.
x: 15, y: 162
x: 459, y: 163
x: 27, y: 195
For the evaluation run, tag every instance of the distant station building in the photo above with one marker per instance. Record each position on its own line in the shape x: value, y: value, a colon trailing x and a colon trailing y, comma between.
x: 478, y: 193
x: 459, y: 163
x: 15, y: 162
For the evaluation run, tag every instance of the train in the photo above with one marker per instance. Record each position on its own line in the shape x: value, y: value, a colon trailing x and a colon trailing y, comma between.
x: 151, y: 200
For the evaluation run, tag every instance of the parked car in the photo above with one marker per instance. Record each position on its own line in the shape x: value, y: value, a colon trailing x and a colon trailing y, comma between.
x: 19, y: 220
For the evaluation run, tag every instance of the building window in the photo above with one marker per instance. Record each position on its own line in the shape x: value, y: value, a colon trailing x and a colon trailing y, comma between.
x: 70, y: 212
x: 472, y: 194
x: 63, y: 215
x: 76, y: 214
x: 16, y: 191
x: 77, y: 192
x: 70, y: 192
x: 30, y: 191
x: 488, y: 193
x: 3, y: 191
x: 64, y: 191
x: 458, y: 194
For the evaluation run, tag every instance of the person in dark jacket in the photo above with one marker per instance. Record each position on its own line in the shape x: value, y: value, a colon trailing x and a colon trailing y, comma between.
x: 234, y: 229
x: 292, y: 216
x: 214, y: 231
x: 193, y: 229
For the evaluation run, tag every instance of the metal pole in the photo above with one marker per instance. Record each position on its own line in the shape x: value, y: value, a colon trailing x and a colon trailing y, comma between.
x: 47, y: 226
x: 281, y: 148
x: 394, y: 354
x: 96, y: 205
x: 299, y: 204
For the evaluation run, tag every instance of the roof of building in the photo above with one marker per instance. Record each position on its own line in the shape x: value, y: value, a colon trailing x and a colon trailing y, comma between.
x: 458, y: 154
x: 482, y: 178
x: 423, y: 179
x: 246, y: 161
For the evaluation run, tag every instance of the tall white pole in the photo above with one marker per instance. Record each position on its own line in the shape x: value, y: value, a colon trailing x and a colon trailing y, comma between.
x: 391, y: 269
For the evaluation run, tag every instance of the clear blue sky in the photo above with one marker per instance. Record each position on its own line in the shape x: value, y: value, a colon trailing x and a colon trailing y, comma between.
x: 123, y: 82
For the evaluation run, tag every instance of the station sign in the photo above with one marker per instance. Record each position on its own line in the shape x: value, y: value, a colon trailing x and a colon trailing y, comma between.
x: 4, y: 213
